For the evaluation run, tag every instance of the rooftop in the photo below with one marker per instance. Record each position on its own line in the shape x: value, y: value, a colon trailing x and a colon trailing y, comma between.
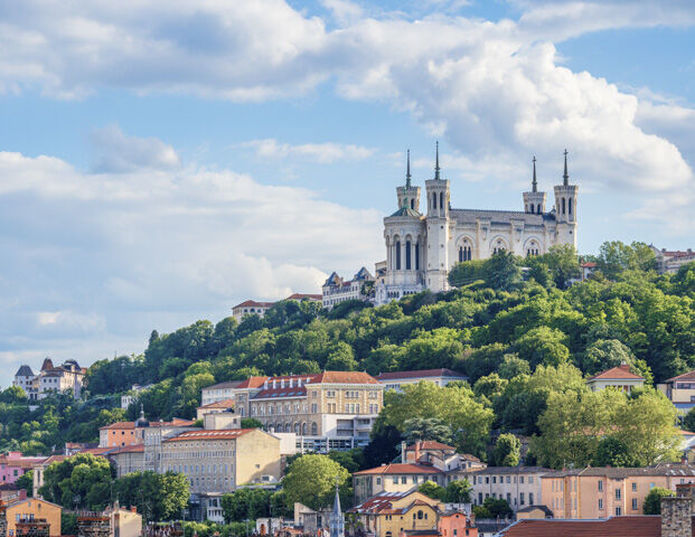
x: 430, y: 445
x: 690, y: 375
x: 422, y: 373
x: 227, y: 403
x: 222, y: 385
x: 254, y: 304
x: 223, y: 434
x: 621, y: 526
x: 622, y: 372
x: 391, y: 469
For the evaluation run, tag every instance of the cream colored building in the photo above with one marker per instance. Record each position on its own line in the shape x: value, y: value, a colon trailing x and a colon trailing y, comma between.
x: 128, y: 459
x: 336, y: 290
x: 392, y: 478
x: 222, y: 460
x: 125, y: 523
x: 51, y: 379
x: 681, y: 391
x: 519, y: 485
x: 619, y: 377
x: 422, y: 248
x: 593, y: 493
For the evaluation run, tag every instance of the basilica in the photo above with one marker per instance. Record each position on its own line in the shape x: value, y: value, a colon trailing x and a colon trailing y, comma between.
x: 421, y: 247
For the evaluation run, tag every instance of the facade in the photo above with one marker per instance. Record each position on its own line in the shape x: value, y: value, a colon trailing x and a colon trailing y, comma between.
x: 13, y: 466
x: 253, y: 307
x: 218, y: 392
x: 519, y: 485
x: 29, y: 510
x: 223, y: 406
x: 329, y: 410
x: 617, y: 377
x: 128, y: 459
x: 68, y: 376
x: 336, y: 290
x: 395, y: 380
x: 422, y: 248
x: 442, y: 457
x: 222, y: 460
x: 392, y: 478
x: 681, y: 391
x: 390, y: 514
x: 603, y: 492
x: 130, y: 433
x: 672, y: 260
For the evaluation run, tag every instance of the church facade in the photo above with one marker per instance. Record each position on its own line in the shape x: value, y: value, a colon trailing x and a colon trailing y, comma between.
x: 422, y: 246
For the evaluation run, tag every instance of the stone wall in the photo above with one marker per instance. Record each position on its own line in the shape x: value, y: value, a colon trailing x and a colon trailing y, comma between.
x: 676, y: 517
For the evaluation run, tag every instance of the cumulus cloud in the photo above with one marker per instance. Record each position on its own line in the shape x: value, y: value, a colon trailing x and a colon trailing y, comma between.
x: 118, y: 153
x: 101, y: 258
x: 324, y: 153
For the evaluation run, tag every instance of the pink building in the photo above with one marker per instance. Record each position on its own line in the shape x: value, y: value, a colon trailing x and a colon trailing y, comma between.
x: 13, y: 466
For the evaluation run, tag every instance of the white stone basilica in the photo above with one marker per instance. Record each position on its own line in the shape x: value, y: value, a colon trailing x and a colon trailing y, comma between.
x: 422, y: 248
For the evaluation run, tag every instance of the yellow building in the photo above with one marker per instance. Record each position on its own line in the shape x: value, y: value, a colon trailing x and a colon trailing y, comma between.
x: 594, y: 493
x: 222, y: 460
x: 31, y: 509
x: 390, y: 514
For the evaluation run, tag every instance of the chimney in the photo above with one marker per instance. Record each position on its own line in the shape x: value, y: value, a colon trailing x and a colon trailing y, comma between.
x: 403, y: 452
x: 133, y: 509
x: 417, y: 450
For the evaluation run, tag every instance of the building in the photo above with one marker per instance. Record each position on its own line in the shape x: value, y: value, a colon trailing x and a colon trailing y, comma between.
x: 389, y: 514
x: 253, y: 307
x: 632, y: 526
x: 220, y: 461
x: 519, y: 485
x: 671, y: 260
x: 128, y: 459
x: 26, y: 510
x: 392, y: 479
x: 14, y: 465
x: 681, y: 391
x: 443, y: 457
x: 218, y: 392
x: 217, y: 407
x: 113, y: 522
x: 68, y: 376
x: 617, y: 377
x: 395, y: 380
x: 130, y: 433
x: 130, y: 397
x: 336, y: 290
x: 592, y: 493
x: 455, y: 524
x: 329, y: 410
x: 422, y: 248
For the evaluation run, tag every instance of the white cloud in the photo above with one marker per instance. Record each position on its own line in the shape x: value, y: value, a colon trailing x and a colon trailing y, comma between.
x: 325, y: 153
x: 118, y: 153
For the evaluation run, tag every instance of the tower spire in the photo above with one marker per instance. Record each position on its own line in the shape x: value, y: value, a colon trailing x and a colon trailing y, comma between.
x: 436, y: 163
x: 534, y: 183
x: 407, y: 173
x: 565, y: 176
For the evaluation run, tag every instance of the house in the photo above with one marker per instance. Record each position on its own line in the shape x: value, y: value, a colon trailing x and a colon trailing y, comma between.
x: 443, y: 457
x: 219, y: 392
x: 617, y: 377
x: 681, y: 391
x: 672, y: 260
x: 14, y: 465
x: 113, y: 522
x: 519, y: 485
x: 393, y: 478
x: 591, y: 493
x: 50, y: 379
x: 395, y: 380
x: 130, y: 433
x: 30, y: 510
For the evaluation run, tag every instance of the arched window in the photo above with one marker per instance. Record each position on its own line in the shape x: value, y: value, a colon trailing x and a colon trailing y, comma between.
x: 460, y: 254
x: 563, y: 205
x: 412, y: 204
x: 441, y: 200
x: 304, y: 429
x: 434, y: 200
x: 408, y: 265
x: 417, y: 256
x: 314, y: 429
x: 420, y: 515
x: 569, y: 203
x: 538, y: 208
x: 398, y: 255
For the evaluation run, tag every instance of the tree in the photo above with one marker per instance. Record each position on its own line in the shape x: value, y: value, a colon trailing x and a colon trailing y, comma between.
x: 13, y: 394
x: 689, y: 421
x: 493, y: 508
x: 157, y: 496
x: 501, y: 271
x: 432, y: 490
x: 79, y: 482
x: 458, y: 491
x: 383, y: 444
x: 563, y: 264
x: 507, y: 450
x: 604, y: 354
x: 652, y: 502
x: 426, y: 429
x: 513, y: 366
x: 311, y: 480
x: 616, y: 257
x: 466, y: 273
x: 26, y: 482
x: 251, y: 423
x: 543, y: 345
x: 352, y: 460
x: 341, y: 358
x: 246, y: 504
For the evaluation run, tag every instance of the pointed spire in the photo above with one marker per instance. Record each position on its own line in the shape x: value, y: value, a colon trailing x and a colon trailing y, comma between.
x: 436, y: 163
x: 142, y: 411
x: 407, y: 173
x: 565, y: 176
x: 534, y: 183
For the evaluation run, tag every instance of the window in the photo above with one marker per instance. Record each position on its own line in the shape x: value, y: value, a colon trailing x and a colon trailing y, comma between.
x: 420, y: 515
x: 395, y: 480
x: 530, y: 498
x: 618, y: 511
x: 434, y: 201
x: 417, y: 256
x: 570, y: 205
x: 634, y: 487
x: 521, y: 498
x: 441, y: 200
x: 404, y: 480
x: 618, y: 494
x: 600, y: 485
x: 398, y: 255
x: 634, y: 504
x: 407, y: 255
x: 563, y: 205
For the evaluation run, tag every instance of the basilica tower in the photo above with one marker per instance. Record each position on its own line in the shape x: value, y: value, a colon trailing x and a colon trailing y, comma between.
x: 437, y: 230
x: 534, y: 201
x: 566, y: 210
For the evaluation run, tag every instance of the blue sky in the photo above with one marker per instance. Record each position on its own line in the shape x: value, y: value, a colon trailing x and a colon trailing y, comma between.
x: 162, y: 162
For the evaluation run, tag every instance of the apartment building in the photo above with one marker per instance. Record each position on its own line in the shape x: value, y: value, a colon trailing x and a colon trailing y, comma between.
x: 329, y: 410
x: 395, y: 380
x: 24, y: 510
x: 681, y: 391
x: 443, y: 457
x: 50, y: 379
x: 393, y: 478
x: 219, y: 392
x: 603, y: 492
x: 130, y: 433
x: 390, y: 514
x: 217, y: 461
x: 519, y: 485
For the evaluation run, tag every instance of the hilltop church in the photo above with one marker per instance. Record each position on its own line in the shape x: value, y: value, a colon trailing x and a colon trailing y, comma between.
x: 422, y: 248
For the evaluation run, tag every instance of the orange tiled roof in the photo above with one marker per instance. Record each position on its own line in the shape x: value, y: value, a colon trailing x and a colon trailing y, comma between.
x: 619, y: 526
x: 390, y: 469
x: 135, y: 448
x: 690, y: 375
x: 344, y: 377
x: 226, y: 403
x: 622, y: 372
x: 222, y: 434
x: 252, y: 382
x: 430, y: 445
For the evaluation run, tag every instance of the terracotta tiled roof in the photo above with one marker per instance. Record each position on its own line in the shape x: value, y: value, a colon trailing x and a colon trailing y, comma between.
x: 620, y: 526
x: 295, y: 391
x: 622, y: 372
x: 136, y: 448
x: 253, y: 303
x: 119, y: 425
x: 382, y: 503
x: 391, y: 375
x: 671, y: 469
x: 227, y: 403
x: 252, y: 382
x: 390, y: 469
x: 344, y: 377
x: 588, y: 264
x: 175, y: 422
x: 690, y: 375
x: 430, y: 445
x: 223, y: 434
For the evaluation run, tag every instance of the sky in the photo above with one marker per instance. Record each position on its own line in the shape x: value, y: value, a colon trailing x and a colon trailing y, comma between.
x: 163, y: 160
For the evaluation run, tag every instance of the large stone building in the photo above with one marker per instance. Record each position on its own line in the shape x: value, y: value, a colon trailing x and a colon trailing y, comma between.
x: 422, y: 248
x: 336, y: 290
x: 67, y: 376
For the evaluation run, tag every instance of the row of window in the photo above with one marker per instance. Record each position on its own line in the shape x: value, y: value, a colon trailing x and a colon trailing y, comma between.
x: 502, y: 479
x: 408, y: 255
x: 201, y: 469
x: 512, y: 501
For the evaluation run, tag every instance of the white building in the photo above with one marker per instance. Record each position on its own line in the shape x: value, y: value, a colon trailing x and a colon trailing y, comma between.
x: 336, y: 290
x: 395, y: 380
x: 616, y: 377
x: 68, y: 376
x: 422, y: 248
x: 519, y: 485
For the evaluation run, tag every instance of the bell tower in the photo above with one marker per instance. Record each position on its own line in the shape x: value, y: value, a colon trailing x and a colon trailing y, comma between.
x: 534, y: 201
x: 408, y: 195
x: 437, y: 230
x: 566, y: 210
